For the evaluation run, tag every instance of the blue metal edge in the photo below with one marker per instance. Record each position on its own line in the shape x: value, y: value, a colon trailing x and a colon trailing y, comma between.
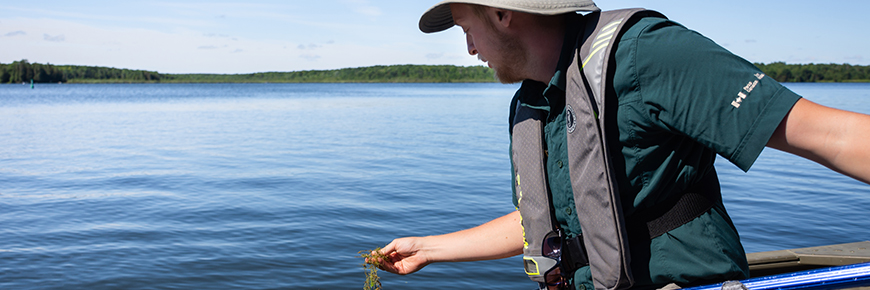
x: 826, y: 278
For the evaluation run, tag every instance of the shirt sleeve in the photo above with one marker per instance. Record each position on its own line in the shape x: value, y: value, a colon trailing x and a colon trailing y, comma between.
x: 690, y: 85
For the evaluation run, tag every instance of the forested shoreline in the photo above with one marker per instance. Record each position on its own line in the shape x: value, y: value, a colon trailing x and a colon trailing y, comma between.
x: 24, y: 71
x: 815, y: 73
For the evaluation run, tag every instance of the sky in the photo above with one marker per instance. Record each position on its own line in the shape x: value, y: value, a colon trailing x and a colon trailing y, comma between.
x: 230, y: 37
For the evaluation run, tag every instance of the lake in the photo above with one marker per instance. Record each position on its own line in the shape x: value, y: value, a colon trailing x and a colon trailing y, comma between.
x: 278, y: 186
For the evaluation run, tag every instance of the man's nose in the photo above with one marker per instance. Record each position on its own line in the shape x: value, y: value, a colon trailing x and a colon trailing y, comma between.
x: 470, y: 42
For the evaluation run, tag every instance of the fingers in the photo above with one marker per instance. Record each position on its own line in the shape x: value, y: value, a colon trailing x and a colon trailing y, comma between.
x: 400, y: 256
x: 391, y: 258
x: 389, y: 248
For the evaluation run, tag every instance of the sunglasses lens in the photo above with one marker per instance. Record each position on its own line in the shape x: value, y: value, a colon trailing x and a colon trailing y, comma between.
x: 552, y: 247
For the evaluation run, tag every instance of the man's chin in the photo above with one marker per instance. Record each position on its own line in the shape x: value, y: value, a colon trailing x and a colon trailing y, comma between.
x: 507, y: 77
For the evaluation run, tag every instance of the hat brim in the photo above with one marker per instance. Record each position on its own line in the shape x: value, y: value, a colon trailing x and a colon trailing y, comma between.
x: 439, y: 18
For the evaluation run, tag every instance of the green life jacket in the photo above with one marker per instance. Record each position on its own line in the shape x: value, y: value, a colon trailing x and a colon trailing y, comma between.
x: 596, y: 196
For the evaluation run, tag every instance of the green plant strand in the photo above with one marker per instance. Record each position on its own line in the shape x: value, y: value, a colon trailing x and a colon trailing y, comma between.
x: 371, y: 265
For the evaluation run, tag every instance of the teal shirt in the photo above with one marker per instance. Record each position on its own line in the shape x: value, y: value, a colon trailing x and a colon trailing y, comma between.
x: 681, y: 99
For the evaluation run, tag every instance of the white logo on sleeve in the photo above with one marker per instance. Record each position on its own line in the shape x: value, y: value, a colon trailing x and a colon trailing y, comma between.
x: 746, y: 90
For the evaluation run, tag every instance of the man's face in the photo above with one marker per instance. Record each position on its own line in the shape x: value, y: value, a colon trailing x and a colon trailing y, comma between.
x: 501, y: 52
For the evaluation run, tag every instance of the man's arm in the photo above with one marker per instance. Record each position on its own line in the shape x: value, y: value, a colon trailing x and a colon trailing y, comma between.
x: 834, y: 138
x: 499, y: 238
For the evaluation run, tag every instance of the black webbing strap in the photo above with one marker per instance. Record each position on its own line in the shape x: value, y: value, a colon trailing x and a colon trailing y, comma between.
x: 680, y: 209
x: 676, y: 211
x: 573, y: 255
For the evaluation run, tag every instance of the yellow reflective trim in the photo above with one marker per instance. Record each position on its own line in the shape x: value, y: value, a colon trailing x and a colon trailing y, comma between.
x: 604, y: 41
x: 611, y: 24
x: 603, y: 36
x: 607, y: 31
x: 604, y: 33
x: 525, y: 241
x: 537, y: 269
x: 520, y: 200
x: 590, y: 56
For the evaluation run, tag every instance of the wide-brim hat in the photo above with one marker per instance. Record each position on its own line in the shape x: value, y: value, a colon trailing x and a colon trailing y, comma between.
x: 439, y: 17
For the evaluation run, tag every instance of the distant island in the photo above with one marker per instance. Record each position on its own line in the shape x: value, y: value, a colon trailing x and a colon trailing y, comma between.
x: 24, y: 71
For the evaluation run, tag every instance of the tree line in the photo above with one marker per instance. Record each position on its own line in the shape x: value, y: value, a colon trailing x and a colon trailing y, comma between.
x: 372, y: 74
x: 24, y: 71
x: 814, y: 73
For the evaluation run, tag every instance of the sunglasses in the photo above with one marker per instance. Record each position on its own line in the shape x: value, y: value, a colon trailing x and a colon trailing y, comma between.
x: 552, y: 248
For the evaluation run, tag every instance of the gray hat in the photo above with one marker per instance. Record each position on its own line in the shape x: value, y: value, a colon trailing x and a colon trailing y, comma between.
x: 439, y: 18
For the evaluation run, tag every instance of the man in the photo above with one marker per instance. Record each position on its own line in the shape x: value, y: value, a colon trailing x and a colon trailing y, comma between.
x: 674, y: 100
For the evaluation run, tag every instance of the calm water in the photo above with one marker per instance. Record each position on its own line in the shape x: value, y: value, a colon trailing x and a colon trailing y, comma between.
x: 278, y: 186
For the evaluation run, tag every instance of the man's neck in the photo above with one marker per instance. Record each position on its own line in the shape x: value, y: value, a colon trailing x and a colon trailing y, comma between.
x: 544, y: 46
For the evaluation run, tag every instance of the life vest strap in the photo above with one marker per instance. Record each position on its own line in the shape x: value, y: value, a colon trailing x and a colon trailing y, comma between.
x: 680, y: 209
x: 694, y: 202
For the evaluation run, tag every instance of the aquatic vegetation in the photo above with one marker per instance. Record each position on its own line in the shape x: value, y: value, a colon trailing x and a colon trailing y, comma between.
x: 373, y: 259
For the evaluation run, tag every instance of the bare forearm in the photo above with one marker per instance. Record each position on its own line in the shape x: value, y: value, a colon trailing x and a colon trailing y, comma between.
x: 499, y: 238
x: 834, y: 138
x: 850, y: 155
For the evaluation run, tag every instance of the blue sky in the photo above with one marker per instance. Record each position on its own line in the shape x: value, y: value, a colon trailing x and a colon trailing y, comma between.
x: 256, y: 36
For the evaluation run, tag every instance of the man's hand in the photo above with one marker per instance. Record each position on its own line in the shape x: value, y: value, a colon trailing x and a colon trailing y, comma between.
x: 404, y: 256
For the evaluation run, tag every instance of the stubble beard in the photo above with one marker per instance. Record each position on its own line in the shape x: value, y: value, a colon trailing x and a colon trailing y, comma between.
x: 513, y: 60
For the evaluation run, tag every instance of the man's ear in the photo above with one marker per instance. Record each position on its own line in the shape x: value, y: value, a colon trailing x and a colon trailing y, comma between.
x: 503, y: 17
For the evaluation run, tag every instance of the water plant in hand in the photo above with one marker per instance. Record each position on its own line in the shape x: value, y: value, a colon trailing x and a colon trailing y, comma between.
x: 374, y: 258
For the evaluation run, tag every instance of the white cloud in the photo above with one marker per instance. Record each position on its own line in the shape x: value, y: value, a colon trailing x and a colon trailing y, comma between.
x: 15, y: 33
x: 215, y: 35
x: 56, y: 38
x: 309, y: 46
x: 310, y: 57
